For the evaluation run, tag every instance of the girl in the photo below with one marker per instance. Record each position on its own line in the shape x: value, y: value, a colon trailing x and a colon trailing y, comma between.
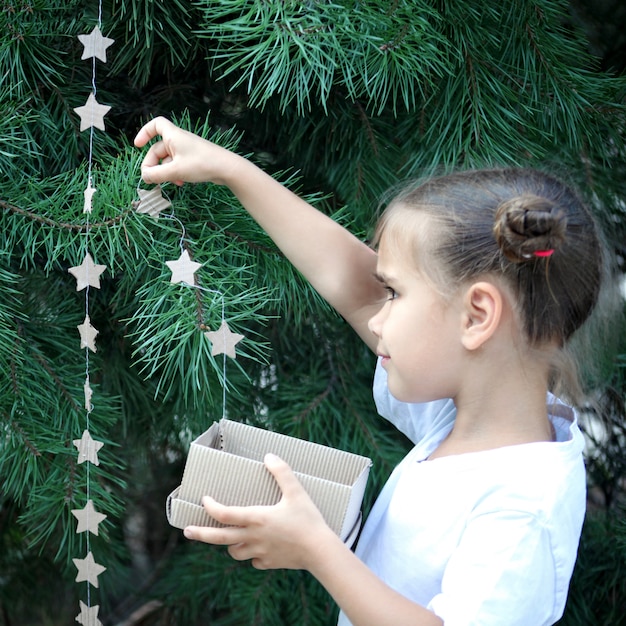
x: 478, y: 282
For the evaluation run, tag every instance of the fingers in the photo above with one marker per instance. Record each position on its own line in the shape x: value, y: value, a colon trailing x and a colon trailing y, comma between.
x: 234, y: 538
x: 157, y: 166
x: 242, y: 552
x: 174, y: 157
x: 152, y: 165
x: 233, y: 515
x: 283, y: 474
x: 150, y: 130
x: 228, y: 536
x: 157, y: 153
x: 154, y: 173
x: 276, y: 536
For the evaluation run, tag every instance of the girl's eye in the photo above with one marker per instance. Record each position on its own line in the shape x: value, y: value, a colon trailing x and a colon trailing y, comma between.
x: 391, y: 294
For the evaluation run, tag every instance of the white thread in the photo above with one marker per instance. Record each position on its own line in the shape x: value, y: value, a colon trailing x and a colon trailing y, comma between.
x: 89, y: 408
x: 183, y: 235
x: 221, y: 295
x: 183, y: 232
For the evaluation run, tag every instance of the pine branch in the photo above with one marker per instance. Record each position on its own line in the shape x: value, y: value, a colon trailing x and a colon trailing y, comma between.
x: 81, y: 228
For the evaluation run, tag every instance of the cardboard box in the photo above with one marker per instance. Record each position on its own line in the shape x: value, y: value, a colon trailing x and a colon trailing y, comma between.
x: 226, y: 463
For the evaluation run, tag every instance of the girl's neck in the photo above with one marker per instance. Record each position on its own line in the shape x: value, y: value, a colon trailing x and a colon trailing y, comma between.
x: 499, y: 407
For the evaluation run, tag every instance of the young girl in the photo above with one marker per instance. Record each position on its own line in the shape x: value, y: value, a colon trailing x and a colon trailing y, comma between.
x: 478, y: 281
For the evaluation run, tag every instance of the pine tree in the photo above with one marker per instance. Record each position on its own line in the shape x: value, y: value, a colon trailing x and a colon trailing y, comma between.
x: 339, y: 101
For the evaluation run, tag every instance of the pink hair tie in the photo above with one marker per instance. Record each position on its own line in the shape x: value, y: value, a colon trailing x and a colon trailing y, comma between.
x: 543, y: 253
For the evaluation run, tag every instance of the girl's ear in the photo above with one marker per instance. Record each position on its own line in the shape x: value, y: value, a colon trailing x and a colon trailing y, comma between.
x: 482, y: 312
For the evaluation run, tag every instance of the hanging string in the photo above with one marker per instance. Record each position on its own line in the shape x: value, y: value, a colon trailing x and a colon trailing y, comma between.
x: 155, y: 200
x: 89, y: 408
x: 207, y: 290
x: 223, y: 321
x: 88, y: 404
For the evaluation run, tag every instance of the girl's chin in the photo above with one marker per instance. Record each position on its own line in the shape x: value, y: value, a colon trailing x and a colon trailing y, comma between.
x: 400, y: 391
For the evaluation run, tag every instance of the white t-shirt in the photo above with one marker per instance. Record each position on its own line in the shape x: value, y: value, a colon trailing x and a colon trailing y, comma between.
x: 484, y: 538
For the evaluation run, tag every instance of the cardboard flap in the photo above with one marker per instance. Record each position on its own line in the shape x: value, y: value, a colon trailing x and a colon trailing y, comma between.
x: 302, y: 456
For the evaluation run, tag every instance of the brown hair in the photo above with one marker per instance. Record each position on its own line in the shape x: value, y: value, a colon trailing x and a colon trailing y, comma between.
x: 522, y: 225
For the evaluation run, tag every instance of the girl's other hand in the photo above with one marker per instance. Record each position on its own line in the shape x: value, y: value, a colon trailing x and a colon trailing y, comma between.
x: 286, y: 535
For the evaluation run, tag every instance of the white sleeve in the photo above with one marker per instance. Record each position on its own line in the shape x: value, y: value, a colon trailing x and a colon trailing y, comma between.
x: 502, y: 571
x: 413, y: 420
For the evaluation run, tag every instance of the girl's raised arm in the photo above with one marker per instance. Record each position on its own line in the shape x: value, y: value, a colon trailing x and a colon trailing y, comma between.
x: 339, y: 266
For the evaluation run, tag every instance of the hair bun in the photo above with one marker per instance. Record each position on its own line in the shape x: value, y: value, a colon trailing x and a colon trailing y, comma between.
x: 528, y: 224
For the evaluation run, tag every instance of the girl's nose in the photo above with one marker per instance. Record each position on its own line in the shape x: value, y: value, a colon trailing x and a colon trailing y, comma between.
x: 376, y: 322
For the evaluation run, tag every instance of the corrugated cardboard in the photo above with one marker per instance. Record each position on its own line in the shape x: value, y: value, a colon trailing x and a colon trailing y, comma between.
x: 226, y: 463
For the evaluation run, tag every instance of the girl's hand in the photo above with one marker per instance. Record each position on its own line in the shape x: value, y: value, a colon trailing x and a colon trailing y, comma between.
x: 287, y: 535
x: 180, y: 156
x: 293, y: 535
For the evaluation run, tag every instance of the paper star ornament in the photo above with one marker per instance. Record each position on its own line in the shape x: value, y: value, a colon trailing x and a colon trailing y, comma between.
x: 224, y: 341
x: 87, y: 334
x: 92, y: 113
x: 87, y: 273
x: 88, y: 615
x: 88, y: 570
x: 152, y: 202
x: 88, y: 448
x: 88, y: 393
x: 183, y: 269
x: 88, y: 518
x: 95, y: 45
x: 88, y: 196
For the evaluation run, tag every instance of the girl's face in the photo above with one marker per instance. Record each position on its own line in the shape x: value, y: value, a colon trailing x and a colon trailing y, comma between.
x: 418, y: 330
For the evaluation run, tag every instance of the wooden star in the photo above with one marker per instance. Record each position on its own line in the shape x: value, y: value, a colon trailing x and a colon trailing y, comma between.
x: 87, y: 273
x: 87, y: 334
x: 88, y: 196
x: 88, y: 569
x: 183, y: 269
x: 224, y: 341
x: 152, y: 202
x: 92, y: 113
x: 88, y: 393
x: 88, y: 518
x: 95, y: 45
x: 88, y: 615
x: 88, y: 448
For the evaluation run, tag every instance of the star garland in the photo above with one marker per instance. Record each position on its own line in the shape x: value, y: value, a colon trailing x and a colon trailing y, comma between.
x: 223, y: 340
x: 87, y: 275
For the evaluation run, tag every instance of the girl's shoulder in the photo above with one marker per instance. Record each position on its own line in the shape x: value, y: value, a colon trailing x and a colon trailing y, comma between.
x: 417, y: 421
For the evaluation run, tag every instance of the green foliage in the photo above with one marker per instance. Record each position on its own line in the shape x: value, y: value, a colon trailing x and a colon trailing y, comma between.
x: 303, y: 52
x: 340, y: 100
x: 598, y: 588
